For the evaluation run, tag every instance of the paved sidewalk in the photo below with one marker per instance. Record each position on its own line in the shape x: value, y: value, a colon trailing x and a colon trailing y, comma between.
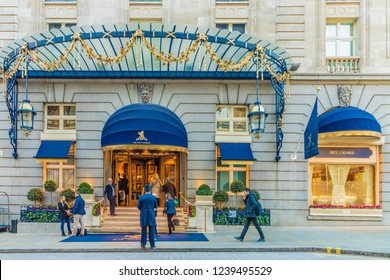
x: 357, y: 240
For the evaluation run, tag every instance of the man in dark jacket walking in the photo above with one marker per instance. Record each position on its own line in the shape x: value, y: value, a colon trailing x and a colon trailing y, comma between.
x: 250, y: 212
x: 78, y: 214
x: 147, y: 204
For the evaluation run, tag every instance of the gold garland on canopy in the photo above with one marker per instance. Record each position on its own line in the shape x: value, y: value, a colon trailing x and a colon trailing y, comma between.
x: 78, y: 44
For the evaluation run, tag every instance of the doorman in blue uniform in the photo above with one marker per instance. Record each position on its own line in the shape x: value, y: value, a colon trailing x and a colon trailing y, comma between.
x: 147, y: 204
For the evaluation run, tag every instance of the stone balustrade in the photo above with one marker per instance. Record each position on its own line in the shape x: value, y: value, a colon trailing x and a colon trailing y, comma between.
x: 343, y: 64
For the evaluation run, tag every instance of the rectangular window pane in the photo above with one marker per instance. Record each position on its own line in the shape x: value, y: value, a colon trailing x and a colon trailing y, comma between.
x: 68, y: 178
x: 222, y: 25
x: 223, y: 180
x: 223, y: 112
x: 331, y: 30
x: 53, y: 110
x: 53, y: 124
x: 240, y: 176
x: 69, y: 124
x: 70, y: 24
x: 240, y: 27
x: 344, y: 49
x: 69, y: 110
x: 223, y: 126
x: 330, y: 49
x: 239, y: 112
x: 53, y: 174
x: 345, y: 31
x: 53, y: 163
x: 239, y: 126
x: 54, y: 25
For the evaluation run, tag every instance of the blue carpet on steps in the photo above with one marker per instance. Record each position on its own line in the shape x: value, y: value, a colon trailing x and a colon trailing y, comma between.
x: 176, y: 237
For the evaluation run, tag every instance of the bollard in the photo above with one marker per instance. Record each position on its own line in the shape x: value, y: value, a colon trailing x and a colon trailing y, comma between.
x: 14, y: 224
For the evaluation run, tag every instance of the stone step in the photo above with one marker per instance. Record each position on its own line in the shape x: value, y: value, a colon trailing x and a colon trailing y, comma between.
x: 126, y: 220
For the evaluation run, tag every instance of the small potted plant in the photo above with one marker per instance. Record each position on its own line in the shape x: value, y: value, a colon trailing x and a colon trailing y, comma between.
x: 50, y: 186
x: 191, y: 216
x: 96, y: 212
x: 204, y: 193
x: 86, y: 191
x: 220, y: 196
x: 235, y: 187
x: 35, y: 195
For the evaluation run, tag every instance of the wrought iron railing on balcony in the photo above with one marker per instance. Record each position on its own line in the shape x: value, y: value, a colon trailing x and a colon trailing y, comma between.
x: 343, y: 64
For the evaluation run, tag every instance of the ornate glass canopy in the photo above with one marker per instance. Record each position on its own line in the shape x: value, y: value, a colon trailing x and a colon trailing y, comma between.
x: 144, y: 51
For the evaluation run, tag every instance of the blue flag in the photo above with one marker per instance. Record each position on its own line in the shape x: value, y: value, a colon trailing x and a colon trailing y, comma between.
x: 311, y: 134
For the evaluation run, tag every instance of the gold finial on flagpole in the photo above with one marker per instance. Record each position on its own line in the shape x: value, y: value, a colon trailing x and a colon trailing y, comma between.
x: 318, y: 89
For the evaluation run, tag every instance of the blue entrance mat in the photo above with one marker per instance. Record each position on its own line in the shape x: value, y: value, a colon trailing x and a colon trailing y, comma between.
x: 176, y: 237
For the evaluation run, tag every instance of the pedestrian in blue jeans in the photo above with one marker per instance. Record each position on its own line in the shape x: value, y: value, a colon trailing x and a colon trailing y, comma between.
x: 65, y: 215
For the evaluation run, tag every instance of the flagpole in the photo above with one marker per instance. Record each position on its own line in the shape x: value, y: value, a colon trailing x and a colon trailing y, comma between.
x: 294, y: 155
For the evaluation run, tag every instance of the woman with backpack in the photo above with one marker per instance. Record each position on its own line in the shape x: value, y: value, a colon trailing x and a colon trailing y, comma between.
x: 251, y: 216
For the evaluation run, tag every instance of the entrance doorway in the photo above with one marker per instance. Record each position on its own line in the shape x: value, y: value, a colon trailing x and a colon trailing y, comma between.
x: 139, y: 168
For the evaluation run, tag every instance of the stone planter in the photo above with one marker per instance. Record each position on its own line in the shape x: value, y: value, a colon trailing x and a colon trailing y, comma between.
x: 204, y: 198
x: 191, y: 222
x: 89, y: 196
x: 96, y: 221
x: 348, y: 214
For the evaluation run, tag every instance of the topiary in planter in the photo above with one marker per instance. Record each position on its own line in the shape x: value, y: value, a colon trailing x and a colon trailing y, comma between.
x: 237, y: 186
x: 50, y: 186
x: 85, y: 188
x: 220, y: 196
x: 69, y: 194
x: 256, y: 193
x: 35, y: 195
x: 204, y: 189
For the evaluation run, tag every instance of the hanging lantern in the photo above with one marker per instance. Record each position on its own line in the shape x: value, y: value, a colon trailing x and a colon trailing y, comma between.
x: 257, y: 116
x: 27, y: 114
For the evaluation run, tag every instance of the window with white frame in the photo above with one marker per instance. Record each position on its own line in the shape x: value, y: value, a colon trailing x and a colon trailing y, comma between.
x: 240, y: 27
x: 63, y: 173
x: 231, y: 119
x: 60, y: 117
x: 58, y: 25
x: 227, y: 173
x: 340, y: 40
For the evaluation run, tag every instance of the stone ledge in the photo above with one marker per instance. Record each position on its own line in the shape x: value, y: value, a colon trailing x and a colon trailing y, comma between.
x: 345, y: 214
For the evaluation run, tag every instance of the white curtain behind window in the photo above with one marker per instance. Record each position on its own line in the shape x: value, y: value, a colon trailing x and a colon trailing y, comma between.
x: 338, y: 174
x: 53, y: 174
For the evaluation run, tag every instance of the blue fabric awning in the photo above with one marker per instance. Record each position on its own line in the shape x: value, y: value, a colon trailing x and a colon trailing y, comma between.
x: 53, y: 150
x: 348, y: 121
x: 144, y: 126
x: 239, y: 153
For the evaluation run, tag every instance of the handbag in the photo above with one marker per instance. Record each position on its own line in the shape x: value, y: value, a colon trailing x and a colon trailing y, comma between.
x: 176, y: 221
